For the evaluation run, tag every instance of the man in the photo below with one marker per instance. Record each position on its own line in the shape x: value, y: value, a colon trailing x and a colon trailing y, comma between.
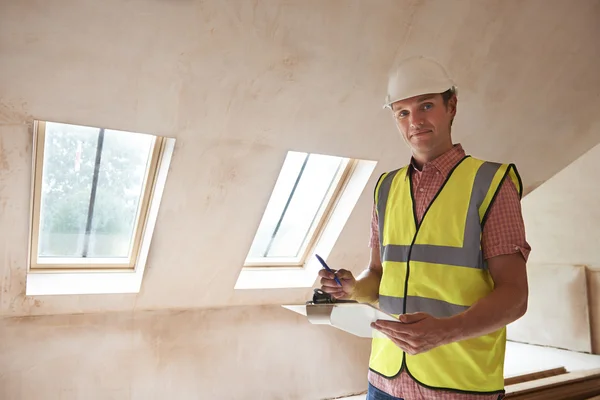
x: 448, y: 255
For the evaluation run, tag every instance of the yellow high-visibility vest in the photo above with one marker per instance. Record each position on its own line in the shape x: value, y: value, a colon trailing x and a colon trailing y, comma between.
x: 437, y: 267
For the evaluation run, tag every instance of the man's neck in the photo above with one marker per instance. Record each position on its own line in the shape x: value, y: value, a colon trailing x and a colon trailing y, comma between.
x: 421, y: 159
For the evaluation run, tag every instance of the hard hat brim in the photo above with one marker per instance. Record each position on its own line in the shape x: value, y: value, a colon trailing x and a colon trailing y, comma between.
x: 423, y: 92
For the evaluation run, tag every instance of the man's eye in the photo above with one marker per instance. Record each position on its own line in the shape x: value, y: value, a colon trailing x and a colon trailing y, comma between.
x: 427, y: 106
x: 402, y: 114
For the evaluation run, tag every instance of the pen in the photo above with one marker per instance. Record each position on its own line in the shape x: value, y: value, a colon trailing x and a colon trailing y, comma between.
x: 324, y: 264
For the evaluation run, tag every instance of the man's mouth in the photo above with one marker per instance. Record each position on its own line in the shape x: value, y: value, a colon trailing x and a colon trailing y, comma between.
x: 421, y: 132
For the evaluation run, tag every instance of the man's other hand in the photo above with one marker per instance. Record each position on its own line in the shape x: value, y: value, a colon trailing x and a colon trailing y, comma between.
x: 416, y: 333
x: 329, y: 285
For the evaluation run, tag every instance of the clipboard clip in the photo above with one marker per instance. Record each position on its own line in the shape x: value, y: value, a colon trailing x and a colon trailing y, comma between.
x: 320, y: 297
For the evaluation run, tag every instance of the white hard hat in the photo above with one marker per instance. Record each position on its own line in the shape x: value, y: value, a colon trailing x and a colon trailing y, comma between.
x: 417, y: 76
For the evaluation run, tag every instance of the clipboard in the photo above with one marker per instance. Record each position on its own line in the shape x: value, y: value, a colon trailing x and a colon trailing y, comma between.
x: 347, y: 315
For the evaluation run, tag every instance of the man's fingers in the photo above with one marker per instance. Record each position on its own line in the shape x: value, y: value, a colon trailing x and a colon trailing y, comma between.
x: 398, y: 339
x: 413, y: 317
x: 389, y: 324
x: 398, y: 327
x: 344, y: 274
x: 329, y: 283
x: 332, y: 289
x: 390, y: 332
x: 403, y: 341
x: 341, y: 274
x: 323, y: 273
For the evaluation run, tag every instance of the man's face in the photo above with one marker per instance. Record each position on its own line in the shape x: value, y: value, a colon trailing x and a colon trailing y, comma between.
x: 424, y: 122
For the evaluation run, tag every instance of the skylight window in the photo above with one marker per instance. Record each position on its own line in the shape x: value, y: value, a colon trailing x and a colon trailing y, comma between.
x: 304, y: 195
x: 92, y: 189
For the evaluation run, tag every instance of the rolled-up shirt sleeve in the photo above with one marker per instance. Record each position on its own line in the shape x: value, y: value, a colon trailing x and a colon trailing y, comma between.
x: 504, y: 230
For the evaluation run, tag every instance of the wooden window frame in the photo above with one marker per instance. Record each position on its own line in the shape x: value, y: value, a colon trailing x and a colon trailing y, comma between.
x: 96, y: 264
x: 316, y: 230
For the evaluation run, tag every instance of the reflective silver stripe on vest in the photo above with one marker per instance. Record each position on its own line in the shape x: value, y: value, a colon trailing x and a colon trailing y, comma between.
x: 383, y: 194
x: 437, y: 308
x: 470, y: 254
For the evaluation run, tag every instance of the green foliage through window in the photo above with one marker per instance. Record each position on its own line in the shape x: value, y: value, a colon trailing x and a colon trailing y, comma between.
x: 70, y: 157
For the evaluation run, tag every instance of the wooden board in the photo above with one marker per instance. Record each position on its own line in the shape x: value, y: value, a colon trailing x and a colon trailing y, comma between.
x: 593, y: 280
x: 557, y: 313
x: 534, y: 375
x: 577, y: 385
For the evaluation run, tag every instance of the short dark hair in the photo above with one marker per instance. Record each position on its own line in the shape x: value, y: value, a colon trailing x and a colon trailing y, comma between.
x: 447, y: 95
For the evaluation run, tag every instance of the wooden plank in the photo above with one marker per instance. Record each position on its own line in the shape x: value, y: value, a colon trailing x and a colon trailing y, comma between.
x: 577, y: 385
x: 577, y: 391
x: 534, y: 375
x: 593, y: 280
x: 558, y: 380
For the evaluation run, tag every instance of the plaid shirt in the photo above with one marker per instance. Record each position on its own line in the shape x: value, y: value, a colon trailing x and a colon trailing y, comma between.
x: 503, y: 233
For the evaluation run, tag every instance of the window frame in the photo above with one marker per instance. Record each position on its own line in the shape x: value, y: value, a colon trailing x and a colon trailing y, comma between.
x: 315, y: 231
x: 288, y: 277
x: 96, y: 264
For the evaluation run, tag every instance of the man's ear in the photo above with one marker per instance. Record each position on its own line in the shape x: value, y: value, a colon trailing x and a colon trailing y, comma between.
x: 452, y: 103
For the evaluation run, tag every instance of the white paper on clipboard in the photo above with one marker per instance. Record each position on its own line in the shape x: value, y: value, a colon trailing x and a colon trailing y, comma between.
x: 354, y: 318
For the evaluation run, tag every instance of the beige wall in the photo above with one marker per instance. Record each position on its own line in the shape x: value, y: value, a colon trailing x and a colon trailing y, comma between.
x: 562, y: 217
x: 263, y: 352
x: 562, y: 221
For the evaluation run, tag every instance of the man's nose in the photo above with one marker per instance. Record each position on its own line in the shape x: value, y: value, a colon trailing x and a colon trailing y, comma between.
x: 416, y: 122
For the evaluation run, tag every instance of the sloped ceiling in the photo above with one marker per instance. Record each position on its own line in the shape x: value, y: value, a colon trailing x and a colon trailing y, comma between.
x: 239, y: 83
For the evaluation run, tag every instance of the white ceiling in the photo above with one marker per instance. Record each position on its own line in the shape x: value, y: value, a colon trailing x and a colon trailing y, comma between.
x: 239, y: 83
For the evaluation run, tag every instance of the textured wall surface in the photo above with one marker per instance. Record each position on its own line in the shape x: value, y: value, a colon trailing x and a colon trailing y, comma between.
x: 262, y: 352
